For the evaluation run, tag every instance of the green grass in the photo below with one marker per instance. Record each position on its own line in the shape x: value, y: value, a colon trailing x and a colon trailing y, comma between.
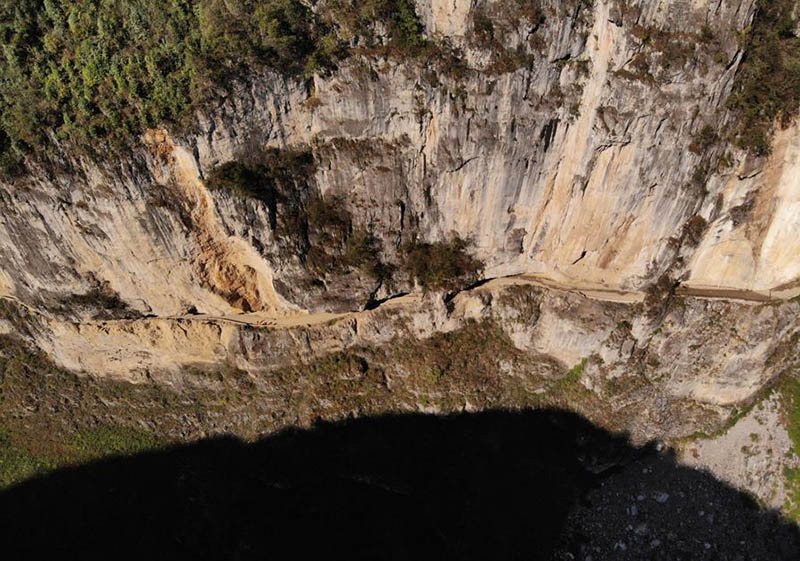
x: 574, y: 375
x: 792, y: 506
x: 48, y: 417
x: 736, y: 415
x: 18, y: 463
x: 112, y: 440
x: 569, y: 388
x: 789, y: 389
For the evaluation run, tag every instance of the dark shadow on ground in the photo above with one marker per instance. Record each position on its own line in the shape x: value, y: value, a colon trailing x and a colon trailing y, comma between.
x: 495, y: 485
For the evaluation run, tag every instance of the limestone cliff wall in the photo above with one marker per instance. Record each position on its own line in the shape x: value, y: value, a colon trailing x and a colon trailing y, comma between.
x: 753, y: 244
x: 573, y: 158
x: 574, y: 163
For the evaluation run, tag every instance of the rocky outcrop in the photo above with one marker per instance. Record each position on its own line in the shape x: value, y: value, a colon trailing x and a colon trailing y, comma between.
x: 753, y: 244
x: 752, y: 454
x: 706, y: 355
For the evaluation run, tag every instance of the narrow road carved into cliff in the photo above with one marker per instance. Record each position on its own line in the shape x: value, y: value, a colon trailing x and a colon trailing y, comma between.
x: 125, y: 348
x: 266, y: 319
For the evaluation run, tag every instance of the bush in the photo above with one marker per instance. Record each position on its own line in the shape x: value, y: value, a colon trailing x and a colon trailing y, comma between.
x: 363, y: 251
x: 493, y: 24
x: 99, y: 73
x: 104, y: 300
x: 238, y: 178
x: 703, y: 140
x: 265, y: 173
x: 357, y: 19
x: 658, y: 295
x: 335, y: 245
x: 441, y: 265
x: 694, y: 229
x: 327, y: 225
x: 767, y: 86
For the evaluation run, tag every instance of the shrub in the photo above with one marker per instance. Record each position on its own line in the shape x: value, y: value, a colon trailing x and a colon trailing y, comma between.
x: 694, y: 229
x: 106, y: 302
x: 358, y: 19
x: 492, y: 25
x: 699, y: 178
x: 327, y: 225
x: 740, y: 213
x: 706, y: 33
x: 99, y: 73
x: 363, y: 251
x: 704, y: 140
x: 264, y: 173
x: 238, y: 178
x: 658, y: 295
x: 441, y: 265
x: 767, y: 85
x: 335, y: 245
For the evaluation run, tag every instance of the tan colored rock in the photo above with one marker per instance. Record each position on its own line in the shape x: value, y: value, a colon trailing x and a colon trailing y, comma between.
x: 757, y: 248
x: 568, y: 167
x: 447, y: 17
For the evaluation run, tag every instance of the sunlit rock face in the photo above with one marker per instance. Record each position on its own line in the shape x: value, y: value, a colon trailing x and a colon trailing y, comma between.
x: 577, y: 158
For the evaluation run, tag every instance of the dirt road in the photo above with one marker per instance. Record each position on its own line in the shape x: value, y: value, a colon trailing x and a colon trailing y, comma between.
x: 593, y: 291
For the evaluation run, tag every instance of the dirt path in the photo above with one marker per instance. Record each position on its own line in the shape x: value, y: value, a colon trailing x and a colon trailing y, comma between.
x: 595, y: 292
x: 719, y: 293
x: 264, y: 319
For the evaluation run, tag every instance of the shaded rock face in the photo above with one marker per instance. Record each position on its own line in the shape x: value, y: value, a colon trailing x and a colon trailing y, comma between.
x: 566, y: 145
x: 534, y: 485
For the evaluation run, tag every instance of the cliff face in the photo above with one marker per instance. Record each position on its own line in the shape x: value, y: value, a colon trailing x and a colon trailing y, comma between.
x: 578, y: 160
x: 584, y: 144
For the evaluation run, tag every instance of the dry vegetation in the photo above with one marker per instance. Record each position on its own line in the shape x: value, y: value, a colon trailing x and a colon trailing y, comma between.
x: 767, y: 85
x: 444, y: 265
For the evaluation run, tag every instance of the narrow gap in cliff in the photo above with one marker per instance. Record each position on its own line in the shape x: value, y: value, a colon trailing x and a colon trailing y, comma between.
x: 548, y: 133
x: 583, y: 254
x: 477, y: 284
x: 402, y: 206
x: 373, y: 303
